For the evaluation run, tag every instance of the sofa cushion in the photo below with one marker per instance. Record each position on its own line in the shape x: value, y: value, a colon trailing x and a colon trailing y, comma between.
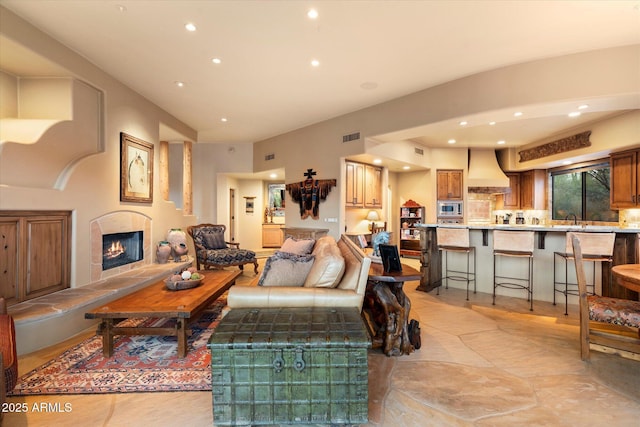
x: 328, y: 267
x: 299, y: 247
x: 286, y: 269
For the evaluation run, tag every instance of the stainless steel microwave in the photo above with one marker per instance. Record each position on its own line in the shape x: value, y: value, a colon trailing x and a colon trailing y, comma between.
x: 449, y: 208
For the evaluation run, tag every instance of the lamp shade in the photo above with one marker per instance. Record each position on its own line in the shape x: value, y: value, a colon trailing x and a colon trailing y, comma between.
x: 373, y: 216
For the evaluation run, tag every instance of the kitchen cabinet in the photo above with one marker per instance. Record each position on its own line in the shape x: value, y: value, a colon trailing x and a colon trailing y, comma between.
x: 528, y: 191
x: 624, y: 180
x: 272, y: 235
x: 533, y: 186
x: 410, y: 215
x: 449, y: 184
x: 512, y: 199
x: 35, y: 255
x: 372, y: 187
x: 363, y: 185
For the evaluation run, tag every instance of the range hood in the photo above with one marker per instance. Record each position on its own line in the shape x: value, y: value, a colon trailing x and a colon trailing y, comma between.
x: 485, y: 175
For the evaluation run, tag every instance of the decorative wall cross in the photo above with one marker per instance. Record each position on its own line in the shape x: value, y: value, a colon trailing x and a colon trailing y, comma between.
x: 309, y: 193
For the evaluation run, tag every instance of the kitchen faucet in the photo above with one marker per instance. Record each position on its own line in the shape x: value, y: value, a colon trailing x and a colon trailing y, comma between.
x: 575, y: 218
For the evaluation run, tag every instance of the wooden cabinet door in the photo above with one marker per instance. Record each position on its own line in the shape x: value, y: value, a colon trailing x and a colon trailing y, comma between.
x: 9, y: 273
x: 46, y: 255
x: 624, y: 181
x: 271, y: 236
x: 355, y: 184
x: 526, y: 190
x: 512, y: 199
x: 372, y: 187
x: 449, y: 183
x: 533, y: 185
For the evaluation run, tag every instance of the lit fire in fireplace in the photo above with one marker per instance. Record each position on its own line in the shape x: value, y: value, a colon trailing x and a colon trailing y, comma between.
x: 115, y: 250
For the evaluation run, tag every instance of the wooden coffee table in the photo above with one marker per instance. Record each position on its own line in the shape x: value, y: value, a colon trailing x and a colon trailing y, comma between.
x: 157, y: 301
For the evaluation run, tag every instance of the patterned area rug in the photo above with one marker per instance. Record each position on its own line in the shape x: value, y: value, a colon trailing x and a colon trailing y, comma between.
x: 138, y: 364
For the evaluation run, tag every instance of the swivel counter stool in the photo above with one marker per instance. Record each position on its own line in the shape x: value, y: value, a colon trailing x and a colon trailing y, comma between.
x: 456, y: 240
x: 596, y: 247
x: 517, y: 244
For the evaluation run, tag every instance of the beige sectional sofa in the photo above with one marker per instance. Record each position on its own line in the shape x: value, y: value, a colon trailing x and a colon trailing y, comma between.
x: 349, y: 291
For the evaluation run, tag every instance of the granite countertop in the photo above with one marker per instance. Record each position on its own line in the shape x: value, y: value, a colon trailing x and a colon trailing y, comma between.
x: 546, y: 228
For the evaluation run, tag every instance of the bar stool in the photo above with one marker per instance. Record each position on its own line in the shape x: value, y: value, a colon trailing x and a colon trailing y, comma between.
x: 517, y: 244
x: 596, y: 247
x: 456, y: 240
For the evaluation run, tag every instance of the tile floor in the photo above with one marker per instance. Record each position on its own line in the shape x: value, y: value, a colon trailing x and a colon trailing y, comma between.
x: 479, y: 365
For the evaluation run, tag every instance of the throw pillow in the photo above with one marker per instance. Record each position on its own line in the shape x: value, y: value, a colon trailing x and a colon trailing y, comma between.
x: 329, y: 266
x: 286, y: 269
x: 214, y: 241
x: 299, y: 247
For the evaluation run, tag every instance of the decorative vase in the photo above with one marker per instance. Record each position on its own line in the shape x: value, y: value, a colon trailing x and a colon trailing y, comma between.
x: 178, y: 241
x: 163, y: 252
x: 179, y: 250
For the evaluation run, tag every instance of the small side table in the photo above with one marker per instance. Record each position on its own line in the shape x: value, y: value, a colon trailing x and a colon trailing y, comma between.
x: 387, y: 309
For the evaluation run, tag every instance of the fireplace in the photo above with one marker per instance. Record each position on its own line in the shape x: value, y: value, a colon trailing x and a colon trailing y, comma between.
x: 121, y: 249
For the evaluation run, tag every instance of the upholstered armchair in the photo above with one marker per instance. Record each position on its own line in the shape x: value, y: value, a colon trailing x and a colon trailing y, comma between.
x: 212, y: 251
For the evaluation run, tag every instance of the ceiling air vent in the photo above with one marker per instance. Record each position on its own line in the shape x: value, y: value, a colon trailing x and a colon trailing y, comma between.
x: 270, y: 156
x: 419, y: 151
x: 351, y: 137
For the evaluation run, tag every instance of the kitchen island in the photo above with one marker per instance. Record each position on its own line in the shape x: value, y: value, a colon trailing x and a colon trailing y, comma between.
x: 549, y: 239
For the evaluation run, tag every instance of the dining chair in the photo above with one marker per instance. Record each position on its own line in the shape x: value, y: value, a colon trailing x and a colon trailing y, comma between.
x: 609, y: 325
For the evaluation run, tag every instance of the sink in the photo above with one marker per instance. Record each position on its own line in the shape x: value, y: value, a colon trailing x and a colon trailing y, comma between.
x: 568, y: 227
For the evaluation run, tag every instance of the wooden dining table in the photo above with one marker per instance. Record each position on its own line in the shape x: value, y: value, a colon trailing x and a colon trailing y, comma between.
x: 627, y: 275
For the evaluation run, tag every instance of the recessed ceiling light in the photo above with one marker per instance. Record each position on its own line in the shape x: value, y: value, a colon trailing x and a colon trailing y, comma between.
x: 517, y: 114
x: 179, y: 84
x: 583, y: 107
x: 377, y: 161
x: 492, y: 123
x: 312, y: 14
x: 216, y: 60
x: 315, y: 63
x: 273, y: 175
x: 501, y: 142
x: 451, y: 141
x: 121, y: 8
x: 406, y: 168
x: 463, y: 123
x: 190, y: 27
x: 567, y: 162
x: 574, y: 114
x: 224, y: 120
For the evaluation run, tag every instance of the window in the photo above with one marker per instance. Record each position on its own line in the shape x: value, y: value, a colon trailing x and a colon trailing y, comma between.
x: 583, y: 192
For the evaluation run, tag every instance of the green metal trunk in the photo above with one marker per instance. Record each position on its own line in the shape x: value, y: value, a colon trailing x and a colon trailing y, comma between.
x: 290, y: 366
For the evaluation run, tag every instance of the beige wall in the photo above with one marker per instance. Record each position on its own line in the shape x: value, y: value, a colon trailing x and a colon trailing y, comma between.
x: 92, y: 187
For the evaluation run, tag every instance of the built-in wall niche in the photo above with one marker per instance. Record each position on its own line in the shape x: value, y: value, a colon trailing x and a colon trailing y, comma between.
x: 277, y: 199
x: 121, y: 249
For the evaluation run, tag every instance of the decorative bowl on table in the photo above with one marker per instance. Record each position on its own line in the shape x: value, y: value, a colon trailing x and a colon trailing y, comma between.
x: 173, y: 284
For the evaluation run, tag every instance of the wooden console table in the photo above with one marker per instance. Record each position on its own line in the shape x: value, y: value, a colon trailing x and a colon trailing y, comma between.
x: 387, y: 308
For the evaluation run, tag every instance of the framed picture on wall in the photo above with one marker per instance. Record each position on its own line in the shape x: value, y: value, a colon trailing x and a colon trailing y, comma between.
x: 136, y: 169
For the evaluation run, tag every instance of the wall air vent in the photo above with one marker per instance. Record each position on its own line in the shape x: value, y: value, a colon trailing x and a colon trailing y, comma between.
x: 418, y: 151
x: 270, y: 156
x: 351, y: 137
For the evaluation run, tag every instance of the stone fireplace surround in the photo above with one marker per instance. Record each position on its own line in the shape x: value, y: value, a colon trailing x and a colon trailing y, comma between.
x: 118, y: 222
